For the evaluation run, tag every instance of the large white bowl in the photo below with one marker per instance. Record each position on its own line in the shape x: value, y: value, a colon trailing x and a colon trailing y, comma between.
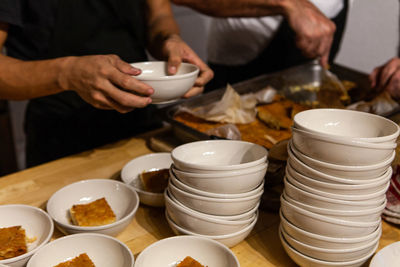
x: 122, y: 199
x: 228, y: 182
x: 167, y: 87
x: 201, y: 223
x: 355, y: 171
x: 230, y: 240
x: 300, y: 167
x: 103, y: 250
x: 218, y: 155
x: 304, y: 260
x: 329, y: 203
x: 324, y: 225
x: 340, y: 188
x: 36, y: 223
x: 340, y: 151
x: 215, y: 206
x: 149, y: 162
x: 388, y: 256
x: 327, y: 241
x: 328, y: 254
x: 170, y: 251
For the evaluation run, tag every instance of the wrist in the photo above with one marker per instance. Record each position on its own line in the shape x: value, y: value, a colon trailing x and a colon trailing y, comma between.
x: 63, y: 69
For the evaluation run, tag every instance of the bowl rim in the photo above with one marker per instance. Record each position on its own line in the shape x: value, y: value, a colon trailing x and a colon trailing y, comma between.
x: 365, y: 114
x: 168, y: 77
x: 61, y: 239
x: 224, y: 247
x: 40, y: 245
x: 209, y: 167
x: 101, y: 227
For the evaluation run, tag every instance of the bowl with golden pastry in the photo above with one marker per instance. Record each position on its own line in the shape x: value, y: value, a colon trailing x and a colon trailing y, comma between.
x: 23, y: 231
x: 96, y: 206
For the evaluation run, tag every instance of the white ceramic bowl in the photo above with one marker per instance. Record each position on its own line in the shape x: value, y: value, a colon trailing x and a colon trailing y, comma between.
x: 149, y: 162
x: 324, y: 225
x: 229, y: 240
x: 215, y: 206
x: 328, y: 254
x: 218, y: 155
x: 340, y: 188
x: 326, y: 241
x: 170, y: 251
x: 348, y: 124
x: 329, y: 203
x: 356, y: 215
x: 201, y: 223
x: 103, y: 250
x: 122, y: 199
x: 304, y: 260
x: 388, y: 256
x: 228, y: 182
x: 37, y: 224
x: 167, y: 87
x: 352, y: 172
x: 340, y: 151
x: 302, y: 168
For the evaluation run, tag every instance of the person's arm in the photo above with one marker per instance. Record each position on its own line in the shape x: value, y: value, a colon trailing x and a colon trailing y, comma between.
x: 165, y: 43
x: 387, y: 77
x: 314, y: 31
x: 97, y: 79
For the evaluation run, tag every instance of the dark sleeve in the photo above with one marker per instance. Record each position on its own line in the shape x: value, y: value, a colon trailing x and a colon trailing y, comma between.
x: 10, y: 12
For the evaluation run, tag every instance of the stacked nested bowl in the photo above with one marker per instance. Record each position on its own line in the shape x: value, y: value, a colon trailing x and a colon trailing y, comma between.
x: 215, y: 189
x: 338, y: 171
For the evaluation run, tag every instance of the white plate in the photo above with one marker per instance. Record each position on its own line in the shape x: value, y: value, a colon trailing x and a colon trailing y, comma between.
x: 389, y: 256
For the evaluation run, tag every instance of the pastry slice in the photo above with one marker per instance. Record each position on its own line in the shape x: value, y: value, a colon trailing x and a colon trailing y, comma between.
x: 12, y: 242
x: 275, y: 115
x: 189, y: 262
x: 82, y: 260
x: 155, y: 181
x: 95, y: 213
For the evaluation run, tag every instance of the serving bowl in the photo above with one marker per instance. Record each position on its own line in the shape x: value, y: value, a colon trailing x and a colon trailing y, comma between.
x: 327, y: 241
x: 218, y: 155
x: 103, y: 250
x: 230, y: 240
x: 228, y: 182
x: 122, y: 199
x: 387, y: 256
x: 166, y: 87
x: 149, y: 162
x: 170, y: 251
x: 36, y: 223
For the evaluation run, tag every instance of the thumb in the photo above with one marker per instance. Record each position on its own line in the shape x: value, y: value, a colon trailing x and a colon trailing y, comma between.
x: 127, y: 68
x: 174, y: 61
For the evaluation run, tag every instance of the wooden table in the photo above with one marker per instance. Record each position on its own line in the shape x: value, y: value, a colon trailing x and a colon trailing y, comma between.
x: 35, y: 186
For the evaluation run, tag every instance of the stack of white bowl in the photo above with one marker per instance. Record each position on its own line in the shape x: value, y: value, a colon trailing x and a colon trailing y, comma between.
x: 338, y: 171
x: 215, y: 189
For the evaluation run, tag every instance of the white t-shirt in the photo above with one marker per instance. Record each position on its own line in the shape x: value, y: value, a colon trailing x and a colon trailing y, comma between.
x: 237, y: 41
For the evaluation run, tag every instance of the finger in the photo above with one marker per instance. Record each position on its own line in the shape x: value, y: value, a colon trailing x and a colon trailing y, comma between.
x: 126, y: 99
x: 324, y: 51
x: 174, y: 61
x: 373, y: 77
x: 393, y: 86
x: 129, y: 83
x: 127, y: 68
x: 194, y: 91
x: 308, y: 47
x: 386, y: 74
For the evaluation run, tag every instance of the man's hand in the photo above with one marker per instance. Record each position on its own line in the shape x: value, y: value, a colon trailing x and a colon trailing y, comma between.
x: 387, y: 77
x: 177, y: 51
x: 106, y: 82
x: 314, y: 31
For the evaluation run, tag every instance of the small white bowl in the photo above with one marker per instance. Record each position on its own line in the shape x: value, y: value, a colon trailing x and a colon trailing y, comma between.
x: 340, y: 188
x: 229, y: 240
x: 326, y: 241
x: 149, y: 162
x: 201, y: 223
x: 36, y: 223
x: 229, y: 182
x: 218, y: 155
x: 122, y: 199
x: 324, y: 225
x: 333, y: 255
x: 215, y: 206
x: 304, y: 260
x: 103, y: 250
x: 302, y: 168
x: 348, y: 124
x: 340, y: 151
x: 388, y: 256
x: 352, y: 172
x: 167, y: 87
x: 170, y: 251
x: 329, y: 203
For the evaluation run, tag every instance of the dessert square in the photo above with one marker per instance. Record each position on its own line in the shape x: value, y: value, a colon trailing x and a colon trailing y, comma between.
x: 95, y: 213
x: 82, y: 260
x: 12, y: 242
